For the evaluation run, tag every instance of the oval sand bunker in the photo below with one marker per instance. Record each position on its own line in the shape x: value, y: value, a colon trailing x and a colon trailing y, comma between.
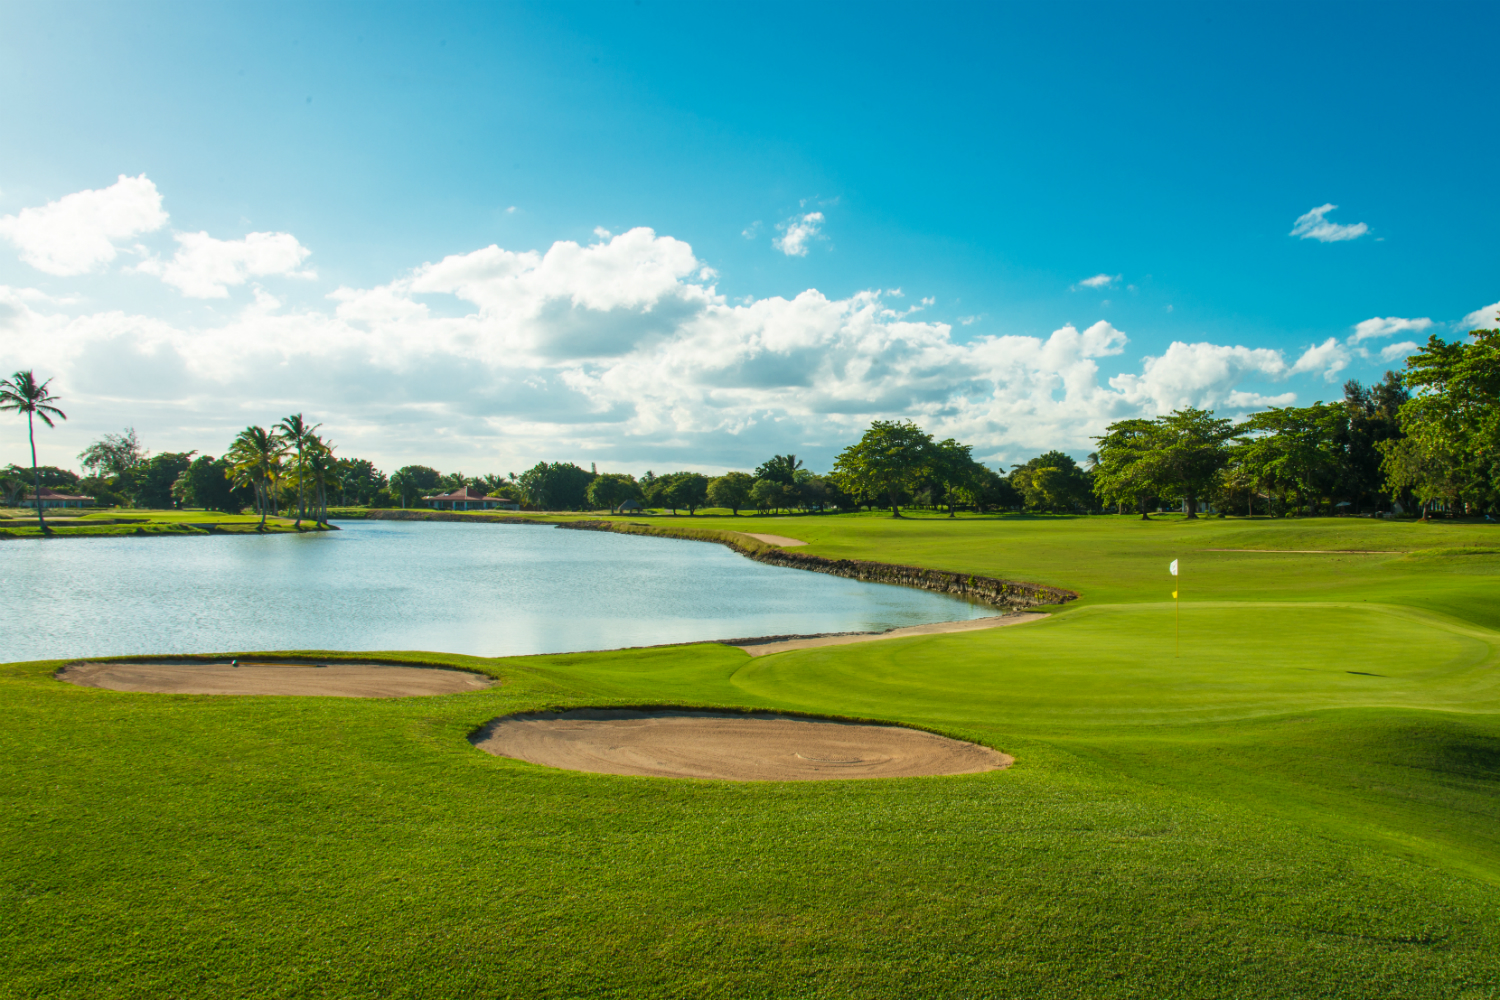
x: 729, y: 746
x: 338, y: 680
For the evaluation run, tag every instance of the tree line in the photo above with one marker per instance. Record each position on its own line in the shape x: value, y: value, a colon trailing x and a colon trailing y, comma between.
x: 1426, y: 439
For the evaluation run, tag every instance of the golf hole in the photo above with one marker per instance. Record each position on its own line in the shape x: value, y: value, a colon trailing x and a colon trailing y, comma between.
x: 728, y: 746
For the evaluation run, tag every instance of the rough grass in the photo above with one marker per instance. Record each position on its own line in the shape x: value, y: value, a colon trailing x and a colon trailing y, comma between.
x: 1305, y: 802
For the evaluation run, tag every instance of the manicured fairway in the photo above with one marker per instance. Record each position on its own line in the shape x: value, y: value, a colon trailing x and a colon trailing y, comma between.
x: 1305, y: 803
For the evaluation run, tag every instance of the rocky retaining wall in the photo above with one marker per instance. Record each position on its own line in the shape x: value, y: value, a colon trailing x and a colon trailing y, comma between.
x: 1000, y: 593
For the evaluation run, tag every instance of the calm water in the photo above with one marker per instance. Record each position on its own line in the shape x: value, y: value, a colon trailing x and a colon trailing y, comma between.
x: 484, y: 589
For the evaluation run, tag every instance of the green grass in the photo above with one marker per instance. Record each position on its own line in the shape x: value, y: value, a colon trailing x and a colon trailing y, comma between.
x: 1304, y: 803
x: 115, y: 522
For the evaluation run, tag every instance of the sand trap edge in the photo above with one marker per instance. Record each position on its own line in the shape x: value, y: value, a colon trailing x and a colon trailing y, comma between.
x: 997, y: 760
x: 381, y: 678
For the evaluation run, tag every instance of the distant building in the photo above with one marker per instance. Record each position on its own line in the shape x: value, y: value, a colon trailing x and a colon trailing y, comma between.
x: 467, y: 499
x: 52, y: 498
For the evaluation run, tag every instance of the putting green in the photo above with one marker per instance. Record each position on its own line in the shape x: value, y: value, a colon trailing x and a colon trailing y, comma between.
x: 1118, y: 665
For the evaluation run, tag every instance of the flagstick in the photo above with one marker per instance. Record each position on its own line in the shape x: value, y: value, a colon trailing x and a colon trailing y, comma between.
x: 1177, y: 613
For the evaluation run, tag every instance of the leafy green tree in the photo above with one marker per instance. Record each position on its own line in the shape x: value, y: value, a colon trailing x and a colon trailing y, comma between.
x: 558, y: 486
x: 21, y: 393
x: 1191, y: 446
x: 891, y: 458
x: 1451, y: 422
x: 1052, y: 482
x: 1372, y: 417
x: 113, y: 454
x: 687, y: 490
x: 358, y: 478
x: 1123, y: 469
x: 780, y: 469
x: 150, y: 483
x: 1289, y: 452
x: 769, y: 494
x: 814, y: 492
x: 411, y: 482
x: 960, y: 479
x: 731, y: 490
x: 206, y: 483
x: 611, y: 489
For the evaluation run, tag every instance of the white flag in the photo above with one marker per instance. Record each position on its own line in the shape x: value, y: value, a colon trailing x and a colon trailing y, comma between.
x: 1173, y: 567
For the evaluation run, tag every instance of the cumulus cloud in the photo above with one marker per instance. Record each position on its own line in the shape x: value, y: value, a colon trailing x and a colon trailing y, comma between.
x: 1378, y: 326
x: 1099, y: 281
x: 1313, y: 226
x: 797, y: 232
x: 1246, y: 401
x: 204, y: 267
x: 76, y: 233
x: 621, y: 351
x: 1329, y: 357
x: 1201, y: 375
x: 1487, y: 318
x: 1394, y: 352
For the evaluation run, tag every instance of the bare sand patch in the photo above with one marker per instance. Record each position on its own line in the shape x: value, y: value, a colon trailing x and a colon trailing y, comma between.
x: 780, y: 540
x: 332, y: 679
x: 728, y: 746
x: 781, y: 645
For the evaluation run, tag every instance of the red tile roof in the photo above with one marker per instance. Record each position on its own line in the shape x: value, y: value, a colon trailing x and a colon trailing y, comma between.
x: 466, y: 494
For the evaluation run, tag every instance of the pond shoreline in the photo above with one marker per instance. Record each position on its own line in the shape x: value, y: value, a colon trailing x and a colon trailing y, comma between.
x: 1008, y: 594
x: 968, y: 586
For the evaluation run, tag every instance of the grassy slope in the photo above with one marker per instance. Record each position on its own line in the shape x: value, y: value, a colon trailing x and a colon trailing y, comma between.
x: 133, y: 521
x: 1304, y: 803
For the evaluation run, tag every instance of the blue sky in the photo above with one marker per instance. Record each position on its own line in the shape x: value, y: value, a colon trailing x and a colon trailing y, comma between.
x: 960, y: 186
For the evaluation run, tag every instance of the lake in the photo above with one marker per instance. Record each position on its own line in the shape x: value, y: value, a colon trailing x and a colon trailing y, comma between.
x: 482, y: 589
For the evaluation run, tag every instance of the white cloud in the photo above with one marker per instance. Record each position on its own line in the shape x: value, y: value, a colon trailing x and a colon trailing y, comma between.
x: 1329, y: 357
x: 1394, y: 351
x: 75, y: 234
x: 1240, y: 400
x: 1313, y: 226
x: 204, y: 267
x: 1487, y: 318
x: 1099, y: 281
x: 1378, y: 326
x: 1202, y: 375
x: 796, y: 232
x: 620, y: 351
x: 751, y: 231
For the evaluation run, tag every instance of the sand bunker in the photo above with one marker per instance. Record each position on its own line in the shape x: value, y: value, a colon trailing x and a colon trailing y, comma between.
x: 781, y: 645
x: 780, y: 540
x: 680, y: 743
x: 338, y: 680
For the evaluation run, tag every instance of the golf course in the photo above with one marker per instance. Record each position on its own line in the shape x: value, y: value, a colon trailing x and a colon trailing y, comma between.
x: 1286, y: 785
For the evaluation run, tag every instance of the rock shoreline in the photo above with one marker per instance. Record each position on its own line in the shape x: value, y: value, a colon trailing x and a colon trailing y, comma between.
x: 985, y: 589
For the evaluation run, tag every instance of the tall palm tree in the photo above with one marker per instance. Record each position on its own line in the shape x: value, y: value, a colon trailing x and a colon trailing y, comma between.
x: 21, y: 394
x: 297, y: 433
x: 322, y: 468
x: 255, y: 461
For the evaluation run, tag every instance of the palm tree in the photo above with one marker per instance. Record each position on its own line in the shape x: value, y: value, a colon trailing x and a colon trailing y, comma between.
x: 322, y: 468
x: 296, y: 433
x: 21, y: 394
x: 255, y: 461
